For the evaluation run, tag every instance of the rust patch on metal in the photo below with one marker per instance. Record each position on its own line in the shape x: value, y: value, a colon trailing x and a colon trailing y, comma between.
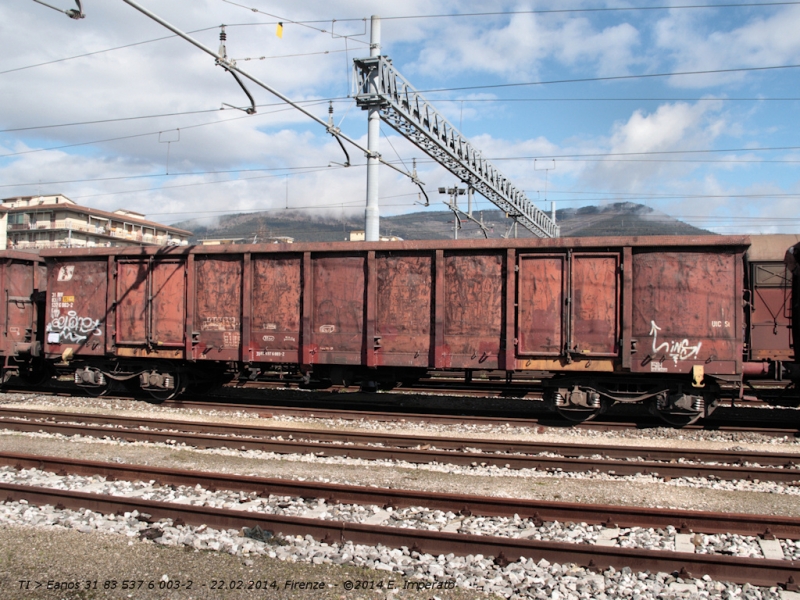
x: 473, y: 304
x: 131, y: 302
x: 18, y: 312
x: 337, y: 326
x: 218, y: 306
x: 404, y: 309
x: 540, y: 300
x: 595, y: 311
x: 149, y: 353
x: 561, y: 364
x: 275, y: 329
x: 168, y: 305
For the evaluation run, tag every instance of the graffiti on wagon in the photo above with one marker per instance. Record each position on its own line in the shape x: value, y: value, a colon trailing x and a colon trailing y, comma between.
x: 676, y: 350
x: 72, y: 328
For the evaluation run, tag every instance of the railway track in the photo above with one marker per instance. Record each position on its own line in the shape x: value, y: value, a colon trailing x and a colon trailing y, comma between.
x: 766, y: 572
x: 613, y: 460
x: 354, y: 406
x: 686, y: 521
x: 547, y: 421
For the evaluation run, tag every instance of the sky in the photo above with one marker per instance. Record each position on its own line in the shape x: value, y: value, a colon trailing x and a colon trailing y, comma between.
x: 689, y: 108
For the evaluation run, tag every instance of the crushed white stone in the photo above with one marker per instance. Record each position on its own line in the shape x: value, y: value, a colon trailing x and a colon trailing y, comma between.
x: 523, y: 579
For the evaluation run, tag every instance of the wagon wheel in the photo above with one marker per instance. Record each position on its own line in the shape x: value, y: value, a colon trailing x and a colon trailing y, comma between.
x: 677, y: 419
x: 682, y: 418
x: 562, y: 403
x: 159, y: 396
x: 581, y: 415
x: 95, y: 391
x: 34, y: 374
x: 88, y: 382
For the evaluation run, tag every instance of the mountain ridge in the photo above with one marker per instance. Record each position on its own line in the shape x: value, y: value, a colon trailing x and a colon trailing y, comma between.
x: 617, y: 219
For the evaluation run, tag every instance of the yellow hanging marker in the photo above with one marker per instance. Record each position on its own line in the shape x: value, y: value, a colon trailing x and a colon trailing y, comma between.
x: 279, y: 31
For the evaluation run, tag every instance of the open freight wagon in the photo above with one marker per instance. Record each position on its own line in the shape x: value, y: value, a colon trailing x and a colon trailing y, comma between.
x: 600, y: 320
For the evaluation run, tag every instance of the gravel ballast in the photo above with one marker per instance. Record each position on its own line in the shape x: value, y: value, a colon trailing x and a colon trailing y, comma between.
x: 112, y: 545
x: 416, y: 517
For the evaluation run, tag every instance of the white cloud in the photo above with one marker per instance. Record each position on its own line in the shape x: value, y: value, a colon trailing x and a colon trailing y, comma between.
x: 694, y: 44
x: 172, y: 76
x: 672, y: 127
x: 517, y: 49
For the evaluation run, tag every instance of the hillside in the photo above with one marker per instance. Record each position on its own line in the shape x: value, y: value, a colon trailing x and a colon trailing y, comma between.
x: 623, y: 218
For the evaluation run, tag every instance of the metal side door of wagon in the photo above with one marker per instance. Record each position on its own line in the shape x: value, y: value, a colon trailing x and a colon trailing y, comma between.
x: 151, y: 308
x: 568, y: 310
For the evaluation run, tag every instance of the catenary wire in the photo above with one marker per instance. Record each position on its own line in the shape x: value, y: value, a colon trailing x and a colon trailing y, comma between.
x: 342, y: 99
x: 199, y: 183
x: 308, y: 23
x: 282, y: 20
x: 155, y: 175
x: 175, y: 114
x: 420, y: 161
x: 608, y: 78
x: 138, y: 135
x: 537, y: 12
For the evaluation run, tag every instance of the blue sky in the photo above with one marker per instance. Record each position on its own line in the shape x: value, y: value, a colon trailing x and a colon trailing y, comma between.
x: 719, y: 150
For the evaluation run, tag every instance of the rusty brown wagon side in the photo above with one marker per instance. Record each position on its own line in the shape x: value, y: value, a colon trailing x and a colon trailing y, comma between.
x: 21, y: 279
x: 602, y: 319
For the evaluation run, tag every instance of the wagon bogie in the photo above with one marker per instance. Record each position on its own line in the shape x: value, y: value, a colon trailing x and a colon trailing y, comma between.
x: 677, y: 400
x: 683, y: 408
x: 93, y: 380
x: 164, y: 382
x: 577, y: 402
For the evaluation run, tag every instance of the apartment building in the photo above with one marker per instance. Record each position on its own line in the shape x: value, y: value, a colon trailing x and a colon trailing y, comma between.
x: 33, y: 222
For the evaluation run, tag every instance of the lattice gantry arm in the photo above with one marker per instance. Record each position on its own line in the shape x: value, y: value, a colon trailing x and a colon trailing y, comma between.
x: 407, y: 111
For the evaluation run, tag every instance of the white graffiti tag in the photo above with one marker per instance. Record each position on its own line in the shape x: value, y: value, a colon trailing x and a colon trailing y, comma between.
x: 676, y: 350
x: 72, y: 329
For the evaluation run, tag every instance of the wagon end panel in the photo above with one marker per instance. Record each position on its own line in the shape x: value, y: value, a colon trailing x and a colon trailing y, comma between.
x: 404, y: 311
x: 337, y: 312
x: 687, y: 311
x: 770, y: 312
x: 217, y: 333
x: 473, y: 308
x: 77, y: 313
x: 19, y: 310
x: 275, y: 320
